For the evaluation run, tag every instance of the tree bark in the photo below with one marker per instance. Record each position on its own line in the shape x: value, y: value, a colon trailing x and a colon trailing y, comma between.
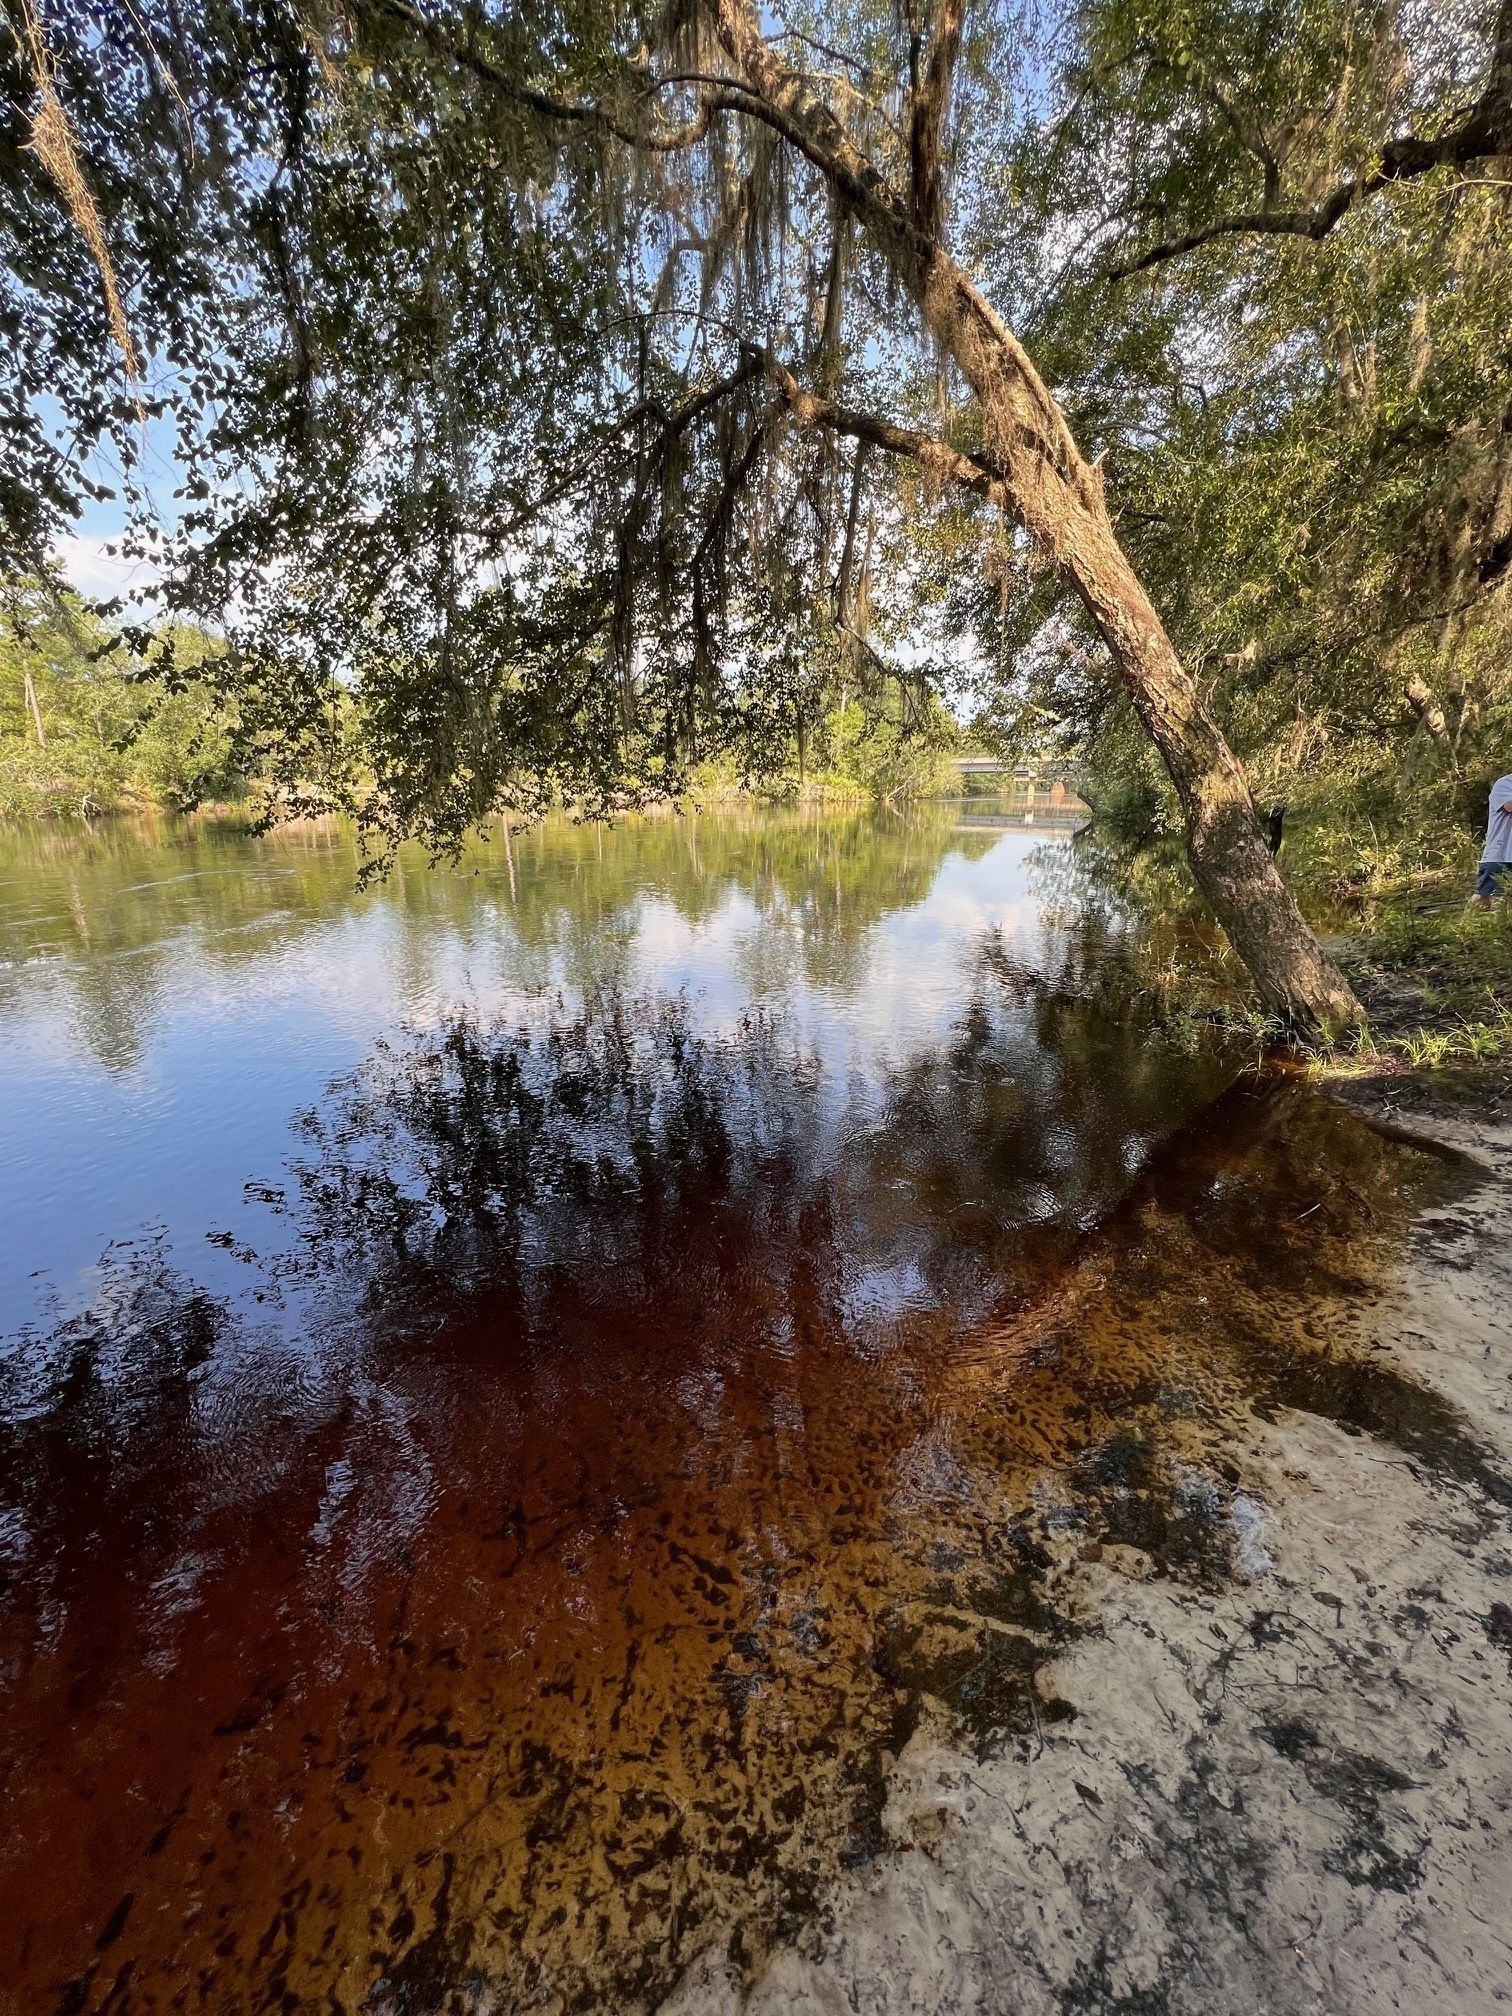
x: 1058, y: 499
x: 36, y: 711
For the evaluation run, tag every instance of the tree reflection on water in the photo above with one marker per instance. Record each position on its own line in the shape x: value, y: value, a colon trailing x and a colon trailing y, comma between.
x: 666, y: 1430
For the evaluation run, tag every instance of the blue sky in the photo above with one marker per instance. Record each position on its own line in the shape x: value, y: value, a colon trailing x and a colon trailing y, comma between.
x: 81, y: 551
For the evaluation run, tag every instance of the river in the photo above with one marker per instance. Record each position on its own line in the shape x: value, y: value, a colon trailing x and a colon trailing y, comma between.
x: 527, y: 1385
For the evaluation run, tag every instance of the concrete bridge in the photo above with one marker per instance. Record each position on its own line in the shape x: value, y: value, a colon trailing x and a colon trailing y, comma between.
x: 1041, y: 818
x: 1019, y: 775
x: 1042, y: 795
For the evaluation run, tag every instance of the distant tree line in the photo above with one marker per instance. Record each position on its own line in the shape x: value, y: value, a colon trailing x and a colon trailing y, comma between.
x: 88, y: 725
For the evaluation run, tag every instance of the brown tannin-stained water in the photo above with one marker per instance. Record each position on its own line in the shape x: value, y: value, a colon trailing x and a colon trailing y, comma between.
x: 686, y: 1314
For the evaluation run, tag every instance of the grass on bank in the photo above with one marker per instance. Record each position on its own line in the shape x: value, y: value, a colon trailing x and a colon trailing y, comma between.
x: 1433, y: 972
x: 1434, y: 978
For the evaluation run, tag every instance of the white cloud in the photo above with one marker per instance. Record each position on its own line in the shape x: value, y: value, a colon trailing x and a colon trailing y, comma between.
x: 96, y: 573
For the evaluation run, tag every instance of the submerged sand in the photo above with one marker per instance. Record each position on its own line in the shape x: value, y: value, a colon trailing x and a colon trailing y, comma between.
x: 1124, y: 1626
x: 1288, y: 1789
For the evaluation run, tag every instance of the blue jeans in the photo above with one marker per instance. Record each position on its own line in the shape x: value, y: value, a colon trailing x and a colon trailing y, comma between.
x: 1494, y: 879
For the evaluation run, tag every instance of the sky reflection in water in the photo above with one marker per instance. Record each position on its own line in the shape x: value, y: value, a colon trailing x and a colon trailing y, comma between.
x: 170, y: 1002
x: 684, y: 1359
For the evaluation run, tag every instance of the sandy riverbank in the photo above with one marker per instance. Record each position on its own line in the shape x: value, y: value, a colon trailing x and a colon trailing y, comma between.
x: 1286, y: 1791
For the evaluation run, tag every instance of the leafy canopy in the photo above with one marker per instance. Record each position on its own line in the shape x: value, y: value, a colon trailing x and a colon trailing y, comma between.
x: 468, y: 324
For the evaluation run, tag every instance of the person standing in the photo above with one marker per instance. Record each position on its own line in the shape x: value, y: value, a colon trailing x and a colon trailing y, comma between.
x: 1495, y: 877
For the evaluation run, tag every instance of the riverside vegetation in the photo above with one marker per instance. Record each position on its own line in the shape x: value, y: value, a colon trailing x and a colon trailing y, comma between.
x: 1132, y: 376
x: 794, y: 1407
x: 92, y: 721
x: 87, y: 726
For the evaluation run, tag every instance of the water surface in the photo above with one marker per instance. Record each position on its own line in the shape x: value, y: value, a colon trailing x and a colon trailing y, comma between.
x: 524, y: 1387
x: 171, y: 995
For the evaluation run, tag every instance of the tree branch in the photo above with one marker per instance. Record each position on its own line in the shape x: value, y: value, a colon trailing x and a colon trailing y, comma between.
x: 671, y: 424
x: 927, y: 118
x: 694, y: 407
x: 1315, y: 223
x: 720, y: 96
x: 937, y: 458
x: 833, y: 55
x: 1483, y: 132
x: 775, y: 96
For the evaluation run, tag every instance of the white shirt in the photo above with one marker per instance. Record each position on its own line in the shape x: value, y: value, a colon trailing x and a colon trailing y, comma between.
x: 1499, y: 828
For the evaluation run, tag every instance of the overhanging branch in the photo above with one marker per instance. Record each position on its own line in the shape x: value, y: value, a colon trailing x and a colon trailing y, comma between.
x: 1315, y: 223
x: 937, y: 458
x: 719, y: 95
x: 1482, y: 133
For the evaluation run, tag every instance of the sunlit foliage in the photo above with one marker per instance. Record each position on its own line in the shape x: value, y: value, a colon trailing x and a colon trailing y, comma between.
x: 466, y: 363
x: 86, y: 725
x: 1307, y: 432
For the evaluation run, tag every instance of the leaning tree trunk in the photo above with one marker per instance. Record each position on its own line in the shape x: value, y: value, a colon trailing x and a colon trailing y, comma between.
x: 1230, y: 858
x: 1058, y: 498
